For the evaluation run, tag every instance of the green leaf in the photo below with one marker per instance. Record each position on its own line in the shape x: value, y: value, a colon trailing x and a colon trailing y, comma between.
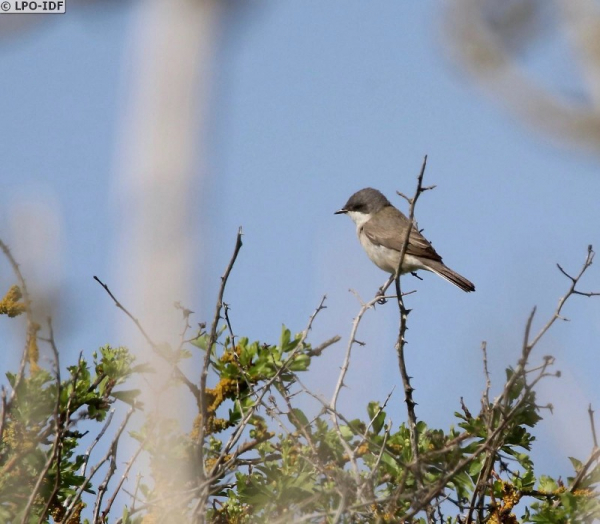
x: 346, y: 432
x: 577, y: 464
x: 299, y: 363
x: 475, y: 468
x: 284, y: 340
x: 143, y: 368
x: 12, y: 378
x: 127, y: 396
x: 547, y: 484
x: 391, y: 463
x: 201, y: 341
x: 376, y: 415
x: 298, y: 419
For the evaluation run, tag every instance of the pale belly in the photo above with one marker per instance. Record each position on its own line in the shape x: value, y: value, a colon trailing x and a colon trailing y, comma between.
x: 388, y: 259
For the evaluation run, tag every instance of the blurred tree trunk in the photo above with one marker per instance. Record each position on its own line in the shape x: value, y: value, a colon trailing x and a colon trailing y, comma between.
x: 161, y: 157
x: 489, y: 38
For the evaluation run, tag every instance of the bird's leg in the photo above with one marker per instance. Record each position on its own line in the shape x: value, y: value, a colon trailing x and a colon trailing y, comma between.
x: 414, y: 274
x: 383, y: 289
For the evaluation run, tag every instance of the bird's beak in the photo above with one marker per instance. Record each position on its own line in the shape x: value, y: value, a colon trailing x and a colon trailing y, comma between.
x: 341, y: 212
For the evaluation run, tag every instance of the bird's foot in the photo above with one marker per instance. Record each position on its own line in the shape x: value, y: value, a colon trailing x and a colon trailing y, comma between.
x: 381, y: 293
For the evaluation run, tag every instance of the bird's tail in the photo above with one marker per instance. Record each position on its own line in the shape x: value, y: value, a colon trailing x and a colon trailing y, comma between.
x: 451, y: 276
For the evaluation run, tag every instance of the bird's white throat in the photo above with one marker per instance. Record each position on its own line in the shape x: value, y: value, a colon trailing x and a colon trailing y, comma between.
x: 359, y: 218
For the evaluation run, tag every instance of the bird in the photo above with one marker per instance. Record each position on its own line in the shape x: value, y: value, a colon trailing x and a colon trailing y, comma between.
x: 381, y: 229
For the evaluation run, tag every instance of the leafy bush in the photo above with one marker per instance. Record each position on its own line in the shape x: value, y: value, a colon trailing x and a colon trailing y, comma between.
x: 252, y: 455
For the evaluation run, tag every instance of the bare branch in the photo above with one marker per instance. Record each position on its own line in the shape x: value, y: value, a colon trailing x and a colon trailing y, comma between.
x: 593, y: 426
x: 31, y: 325
x: 155, y: 347
x: 57, y: 451
x: 401, y: 341
x: 209, y: 349
x: 488, y: 382
x: 122, y: 480
x: 110, y: 455
x: 572, y: 291
x: 340, y: 383
x: 315, y: 352
x: 126, y: 311
x: 529, y: 345
x: 99, y: 436
x: 54, y: 455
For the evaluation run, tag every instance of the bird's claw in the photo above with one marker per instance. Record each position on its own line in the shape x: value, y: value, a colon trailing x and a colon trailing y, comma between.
x: 380, y: 293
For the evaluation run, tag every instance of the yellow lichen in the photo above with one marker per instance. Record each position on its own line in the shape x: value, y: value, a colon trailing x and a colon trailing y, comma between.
x: 210, y: 463
x: 226, y: 388
x: 229, y: 357
x: 10, y: 304
x: 33, y: 351
x: 501, y: 513
x: 363, y: 449
x: 76, y: 517
x: 58, y: 512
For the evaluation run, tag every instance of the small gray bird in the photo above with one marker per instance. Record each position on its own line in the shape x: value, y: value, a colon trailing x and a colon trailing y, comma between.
x: 381, y: 229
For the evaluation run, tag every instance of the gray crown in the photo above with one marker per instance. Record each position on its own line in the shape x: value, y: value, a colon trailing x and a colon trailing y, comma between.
x: 367, y: 200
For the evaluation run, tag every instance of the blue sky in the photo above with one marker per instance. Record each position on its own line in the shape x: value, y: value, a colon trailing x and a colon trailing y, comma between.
x: 310, y: 102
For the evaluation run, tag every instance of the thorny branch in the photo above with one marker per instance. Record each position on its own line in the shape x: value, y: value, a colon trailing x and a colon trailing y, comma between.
x: 500, y: 405
x: 401, y: 341
x: 497, y: 415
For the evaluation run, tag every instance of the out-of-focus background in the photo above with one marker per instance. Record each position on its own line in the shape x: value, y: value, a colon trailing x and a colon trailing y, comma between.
x: 136, y: 136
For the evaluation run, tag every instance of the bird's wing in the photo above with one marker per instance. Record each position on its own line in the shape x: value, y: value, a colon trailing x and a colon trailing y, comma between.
x: 392, y: 238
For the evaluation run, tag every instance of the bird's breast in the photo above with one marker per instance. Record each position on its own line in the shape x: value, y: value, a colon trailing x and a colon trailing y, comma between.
x: 386, y: 258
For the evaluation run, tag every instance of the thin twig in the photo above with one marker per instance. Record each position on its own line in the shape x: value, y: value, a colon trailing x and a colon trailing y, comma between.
x: 572, y: 291
x: 122, y: 480
x: 486, y: 371
x: 315, y: 352
x: 99, y: 436
x: 234, y: 438
x: 217, y: 467
x: 4, y: 411
x: 351, y: 341
x: 228, y: 322
x: 186, y: 317
x: 126, y: 311
x: 59, y: 429
x: 54, y: 456
x: 340, y: 383
x: 401, y: 341
x: 88, y: 479
x: 594, y: 457
x: 520, y: 373
x: 155, y: 347
x: 209, y: 348
x: 593, y: 425
x: 31, y: 326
